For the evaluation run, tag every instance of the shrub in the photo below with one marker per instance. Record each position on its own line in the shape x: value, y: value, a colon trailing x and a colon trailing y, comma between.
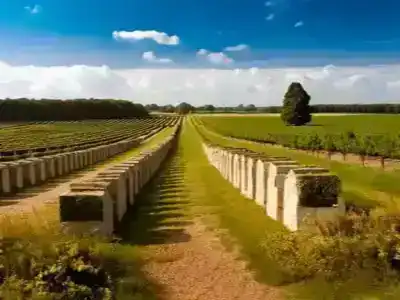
x: 318, y: 190
x: 339, y: 251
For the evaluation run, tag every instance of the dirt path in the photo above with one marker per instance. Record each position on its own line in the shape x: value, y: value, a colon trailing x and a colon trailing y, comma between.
x: 202, y: 269
x: 183, y: 254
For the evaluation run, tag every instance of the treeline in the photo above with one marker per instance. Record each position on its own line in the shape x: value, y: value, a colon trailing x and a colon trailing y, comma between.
x: 17, y: 110
x: 319, y: 108
x: 345, y: 108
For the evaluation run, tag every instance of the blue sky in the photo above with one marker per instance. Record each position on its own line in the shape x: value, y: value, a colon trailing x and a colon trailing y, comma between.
x: 66, y: 32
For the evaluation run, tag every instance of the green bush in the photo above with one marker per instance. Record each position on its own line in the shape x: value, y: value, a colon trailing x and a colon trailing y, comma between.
x: 338, y: 252
x: 81, y: 208
x: 318, y: 190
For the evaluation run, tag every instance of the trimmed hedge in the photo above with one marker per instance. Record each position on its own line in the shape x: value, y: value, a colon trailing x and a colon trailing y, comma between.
x: 318, y: 190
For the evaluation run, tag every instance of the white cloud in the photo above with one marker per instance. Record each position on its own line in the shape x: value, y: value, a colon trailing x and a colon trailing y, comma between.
x: 159, y: 37
x: 202, y: 52
x: 34, y: 9
x: 151, y: 57
x: 299, y: 24
x: 328, y: 84
x: 217, y: 58
x: 270, y: 17
x: 239, y: 47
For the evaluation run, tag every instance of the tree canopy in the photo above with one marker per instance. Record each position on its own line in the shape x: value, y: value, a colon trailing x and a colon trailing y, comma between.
x: 296, y: 109
x: 13, y: 110
x: 184, y: 108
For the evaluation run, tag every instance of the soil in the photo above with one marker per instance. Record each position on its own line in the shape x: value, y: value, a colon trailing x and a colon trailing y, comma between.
x: 202, y: 269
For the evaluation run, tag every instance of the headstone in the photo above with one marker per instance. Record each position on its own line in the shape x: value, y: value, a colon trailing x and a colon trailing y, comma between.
x: 5, y: 179
x: 83, y: 212
x: 277, y: 171
x: 310, y: 194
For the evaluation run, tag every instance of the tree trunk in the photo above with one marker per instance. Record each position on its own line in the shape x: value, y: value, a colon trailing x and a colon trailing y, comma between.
x: 383, y: 162
x: 362, y: 160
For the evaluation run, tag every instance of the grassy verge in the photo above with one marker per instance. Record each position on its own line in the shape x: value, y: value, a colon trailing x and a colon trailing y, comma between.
x: 35, y: 257
x: 362, y: 186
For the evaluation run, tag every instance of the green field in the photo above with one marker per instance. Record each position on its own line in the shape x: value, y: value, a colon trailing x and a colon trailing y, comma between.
x: 364, y: 135
x: 362, y: 186
x: 259, y: 125
x: 27, y: 138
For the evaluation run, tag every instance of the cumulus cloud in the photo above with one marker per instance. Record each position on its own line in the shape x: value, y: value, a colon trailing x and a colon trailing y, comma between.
x: 217, y: 58
x: 299, y: 24
x: 161, y: 38
x: 151, y: 57
x: 239, y: 47
x: 270, y: 17
x: 258, y: 86
x: 33, y: 9
x: 202, y: 52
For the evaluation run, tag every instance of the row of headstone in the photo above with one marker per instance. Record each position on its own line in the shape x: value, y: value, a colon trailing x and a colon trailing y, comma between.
x: 19, y: 174
x: 289, y: 192
x: 141, y: 131
x: 97, y: 206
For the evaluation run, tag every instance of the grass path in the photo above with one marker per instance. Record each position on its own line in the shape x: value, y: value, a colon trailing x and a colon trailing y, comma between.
x: 177, y: 227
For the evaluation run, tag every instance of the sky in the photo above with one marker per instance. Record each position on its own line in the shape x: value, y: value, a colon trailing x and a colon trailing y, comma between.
x: 221, y: 52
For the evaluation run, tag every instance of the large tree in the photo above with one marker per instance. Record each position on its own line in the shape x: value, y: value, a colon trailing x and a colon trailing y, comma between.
x: 184, y: 108
x: 296, y: 109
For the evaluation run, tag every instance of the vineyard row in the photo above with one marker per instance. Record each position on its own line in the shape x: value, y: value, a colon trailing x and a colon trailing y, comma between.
x: 31, y: 140
x: 379, y: 145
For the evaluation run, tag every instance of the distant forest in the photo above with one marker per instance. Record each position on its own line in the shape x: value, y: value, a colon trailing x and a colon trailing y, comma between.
x: 17, y: 110
x: 319, y: 108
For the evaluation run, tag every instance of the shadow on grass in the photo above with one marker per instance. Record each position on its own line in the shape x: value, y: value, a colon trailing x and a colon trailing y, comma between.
x: 158, y: 216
